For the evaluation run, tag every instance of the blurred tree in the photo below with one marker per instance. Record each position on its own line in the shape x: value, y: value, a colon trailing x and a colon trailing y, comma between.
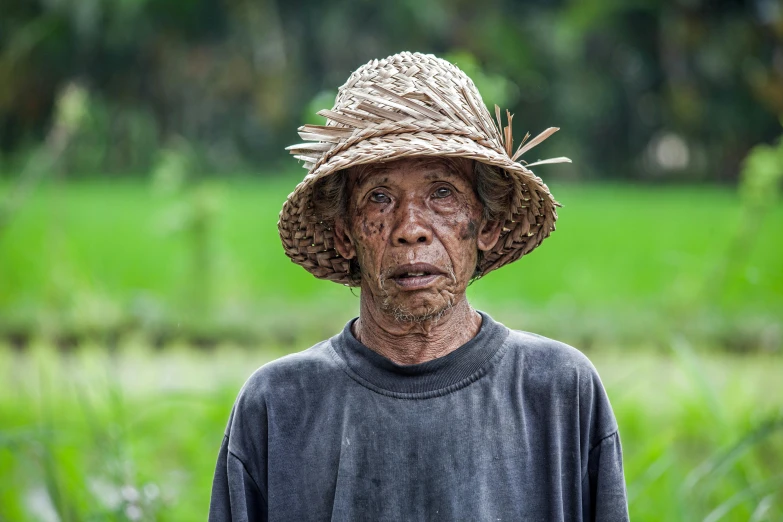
x: 761, y: 182
x: 70, y: 113
x: 193, y: 205
x: 642, y: 89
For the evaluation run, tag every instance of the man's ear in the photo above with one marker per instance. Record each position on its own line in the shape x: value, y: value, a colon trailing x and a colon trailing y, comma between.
x: 488, y: 235
x: 342, y: 241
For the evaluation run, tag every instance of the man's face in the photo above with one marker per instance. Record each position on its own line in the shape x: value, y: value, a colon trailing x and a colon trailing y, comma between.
x: 415, y: 227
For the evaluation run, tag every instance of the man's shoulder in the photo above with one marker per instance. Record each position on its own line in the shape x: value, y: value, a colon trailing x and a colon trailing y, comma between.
x: 545, y: 352
x: 555, y: 373
x: 292, y: 373
x: 546, y: 360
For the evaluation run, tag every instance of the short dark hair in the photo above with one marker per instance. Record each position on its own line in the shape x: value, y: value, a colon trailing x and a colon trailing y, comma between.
x: 331, y: 197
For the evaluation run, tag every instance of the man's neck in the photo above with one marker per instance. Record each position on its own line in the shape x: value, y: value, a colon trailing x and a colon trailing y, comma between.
x: 413, y: 342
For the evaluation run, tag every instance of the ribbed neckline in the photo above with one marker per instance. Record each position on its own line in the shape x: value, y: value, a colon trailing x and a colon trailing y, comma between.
x: 436, y: 377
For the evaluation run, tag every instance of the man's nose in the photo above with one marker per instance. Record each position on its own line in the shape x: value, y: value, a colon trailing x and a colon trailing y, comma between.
x: 411, y: 226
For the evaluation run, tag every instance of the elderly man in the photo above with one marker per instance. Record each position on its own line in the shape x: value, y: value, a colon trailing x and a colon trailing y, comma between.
x: 422, y: 408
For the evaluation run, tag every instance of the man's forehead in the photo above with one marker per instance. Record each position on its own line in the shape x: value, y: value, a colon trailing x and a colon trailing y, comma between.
x: 428, y: 167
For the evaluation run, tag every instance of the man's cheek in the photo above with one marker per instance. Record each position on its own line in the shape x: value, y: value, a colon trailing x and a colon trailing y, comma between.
x: 469, y: 231
x: 372, y: 230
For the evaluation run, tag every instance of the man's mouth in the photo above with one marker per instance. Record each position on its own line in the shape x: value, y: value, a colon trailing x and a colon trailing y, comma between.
x: 415, y: 276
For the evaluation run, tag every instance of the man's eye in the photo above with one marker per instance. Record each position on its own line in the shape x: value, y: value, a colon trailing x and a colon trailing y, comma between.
x: 379, y: 197
x: 442, y: 192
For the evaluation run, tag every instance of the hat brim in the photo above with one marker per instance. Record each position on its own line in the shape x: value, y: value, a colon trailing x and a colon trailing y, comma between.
x: 309, y: 241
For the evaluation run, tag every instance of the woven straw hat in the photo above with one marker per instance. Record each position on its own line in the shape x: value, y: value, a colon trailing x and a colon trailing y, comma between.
x: 411, y: 105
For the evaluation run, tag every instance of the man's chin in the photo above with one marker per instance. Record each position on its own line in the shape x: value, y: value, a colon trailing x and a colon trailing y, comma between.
x: 417, y: 310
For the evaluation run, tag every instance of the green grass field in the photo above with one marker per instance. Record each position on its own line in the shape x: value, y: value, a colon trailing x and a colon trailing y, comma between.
x: 626, y: 264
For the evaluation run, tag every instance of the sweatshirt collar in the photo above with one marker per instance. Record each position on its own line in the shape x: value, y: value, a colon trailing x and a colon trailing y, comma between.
x: 460, y: 367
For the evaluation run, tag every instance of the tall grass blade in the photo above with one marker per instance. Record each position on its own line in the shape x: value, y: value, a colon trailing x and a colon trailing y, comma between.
x: 749, y: 493
x: 717, y: 464
x: 690, y: 363
x: 762, y: 508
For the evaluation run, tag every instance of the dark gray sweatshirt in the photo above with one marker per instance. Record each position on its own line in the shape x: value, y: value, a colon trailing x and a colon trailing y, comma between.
x: 510, y: 426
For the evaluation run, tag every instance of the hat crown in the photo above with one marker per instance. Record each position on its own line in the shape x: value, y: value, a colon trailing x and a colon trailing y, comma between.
x: 421, y: 79
x: 406, y: 93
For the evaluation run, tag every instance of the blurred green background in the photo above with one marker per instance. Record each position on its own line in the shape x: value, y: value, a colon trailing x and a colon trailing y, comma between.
x: 142, y: 279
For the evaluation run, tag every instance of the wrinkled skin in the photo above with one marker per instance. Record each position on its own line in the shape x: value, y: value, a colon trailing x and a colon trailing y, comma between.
x: 409, y: 217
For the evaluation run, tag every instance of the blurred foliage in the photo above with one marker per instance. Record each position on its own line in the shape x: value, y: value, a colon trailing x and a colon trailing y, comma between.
x: 192, y: 206
x: 762, y: 176
x: 761, y: 182
x: 70, y: 113
x: 646, y: 89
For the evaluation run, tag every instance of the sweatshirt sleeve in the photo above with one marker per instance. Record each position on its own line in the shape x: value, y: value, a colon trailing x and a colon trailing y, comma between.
x: 603, y: 490
x: 239, y: 487
x: 236, y: 496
